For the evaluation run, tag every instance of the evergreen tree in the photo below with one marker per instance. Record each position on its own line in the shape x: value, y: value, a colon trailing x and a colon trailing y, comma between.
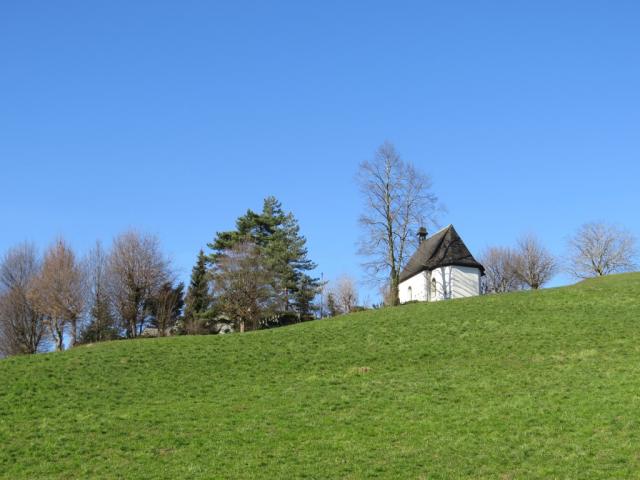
x: 102, y: 324
x: 277, y: 235
x: 198, y: 298
x: 332, y: 305
x: 303, y: 299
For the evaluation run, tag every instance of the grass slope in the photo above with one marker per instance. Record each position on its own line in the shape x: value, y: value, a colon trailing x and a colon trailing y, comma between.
x: 526, y: 385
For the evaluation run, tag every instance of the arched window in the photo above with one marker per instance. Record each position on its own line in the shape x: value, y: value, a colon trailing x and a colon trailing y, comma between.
x: 434, y: 288
x: 410, y: 290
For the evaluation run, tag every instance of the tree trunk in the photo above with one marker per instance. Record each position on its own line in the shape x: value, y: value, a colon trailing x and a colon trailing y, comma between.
x: 74, y: 331
x: 394, y: 288
x: 58, y: 336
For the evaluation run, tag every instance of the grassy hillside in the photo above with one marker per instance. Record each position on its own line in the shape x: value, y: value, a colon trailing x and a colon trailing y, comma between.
x: 526, y: 385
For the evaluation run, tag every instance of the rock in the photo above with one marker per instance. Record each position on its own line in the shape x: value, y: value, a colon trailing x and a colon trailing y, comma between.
x: 222, y: 328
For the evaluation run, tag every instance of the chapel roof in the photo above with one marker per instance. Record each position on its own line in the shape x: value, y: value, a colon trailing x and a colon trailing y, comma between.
x: 441, y: 249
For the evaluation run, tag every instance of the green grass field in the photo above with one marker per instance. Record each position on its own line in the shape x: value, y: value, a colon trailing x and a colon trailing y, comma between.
x: 526, y: 385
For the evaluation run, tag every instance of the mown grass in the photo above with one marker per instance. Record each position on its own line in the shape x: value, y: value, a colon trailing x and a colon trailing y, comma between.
x: 527, y: 385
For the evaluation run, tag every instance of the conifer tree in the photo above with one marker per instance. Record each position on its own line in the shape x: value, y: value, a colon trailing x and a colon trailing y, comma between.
x: 303, y: 299
x: 198, y: 298
x: 332, y: 305
x: 101, y: 325
x: 276, y: 233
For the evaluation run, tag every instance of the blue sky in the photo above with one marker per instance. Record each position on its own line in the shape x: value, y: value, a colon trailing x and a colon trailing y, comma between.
x: 175, y: 117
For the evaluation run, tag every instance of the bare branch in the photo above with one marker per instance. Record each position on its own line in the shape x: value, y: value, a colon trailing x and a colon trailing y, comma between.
x: 22, y: 328
x: 599, y: 248
x: 397, y: 201
x: 534, y: 265
x: 137, y: 269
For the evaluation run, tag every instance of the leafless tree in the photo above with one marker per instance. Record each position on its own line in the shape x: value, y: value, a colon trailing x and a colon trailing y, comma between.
x: 398, y: 200
x: 534, y: 264
x: 599, y: 248
x: 100, y: 324
x: 58, y: 292
x: 345, y: 294
x: 136, y: 269
x: 166, y: 307
x: 243, y: 285
x: 500, y: 270
x: 22, y: 328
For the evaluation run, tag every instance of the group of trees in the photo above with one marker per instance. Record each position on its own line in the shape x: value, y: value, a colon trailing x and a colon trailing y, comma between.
x: 340, y: 297
x: 528, y: 265
x: 59, y: 300
x: 255, y: 276
x: 596, y: 249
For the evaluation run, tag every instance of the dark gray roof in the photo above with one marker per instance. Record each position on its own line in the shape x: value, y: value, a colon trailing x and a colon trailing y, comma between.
x: 439, y: 250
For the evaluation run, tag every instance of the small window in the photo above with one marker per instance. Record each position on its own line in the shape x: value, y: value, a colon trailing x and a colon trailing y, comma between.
x: 434, y: 288
x: 410, y: 290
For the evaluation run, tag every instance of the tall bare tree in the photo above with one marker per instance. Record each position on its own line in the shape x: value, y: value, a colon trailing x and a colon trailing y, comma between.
x: 534, y: 264
x: 398, y: 200
x: 600, y: 248
x: 137, y: 269
x: 243, y: 285
x: 100, y: 324
x: 500, y: 270
x: 22, y: 328
x: 58, y: 292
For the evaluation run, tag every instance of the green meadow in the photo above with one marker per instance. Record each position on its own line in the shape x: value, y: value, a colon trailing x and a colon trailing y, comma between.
x: 525, y: 385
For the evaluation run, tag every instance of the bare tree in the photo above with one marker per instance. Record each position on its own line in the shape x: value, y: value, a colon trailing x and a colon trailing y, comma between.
x: 345, y: 294
x: 21, y: 326
x: 243, y: 285
x: 599, y: 248
x: 58, y: 292
x: 136, y: 269
x: 534, y: 265
x: 166, y: 307
x: 100, y: 324
x: 500, y: 270
x: 398, y: 201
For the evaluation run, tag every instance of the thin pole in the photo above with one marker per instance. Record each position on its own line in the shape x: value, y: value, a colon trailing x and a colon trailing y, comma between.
x: 322, y: 295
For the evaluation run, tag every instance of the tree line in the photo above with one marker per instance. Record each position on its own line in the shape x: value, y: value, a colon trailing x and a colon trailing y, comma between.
x: 256, y: 276
x: 60, y: 300
x: 595, y: 249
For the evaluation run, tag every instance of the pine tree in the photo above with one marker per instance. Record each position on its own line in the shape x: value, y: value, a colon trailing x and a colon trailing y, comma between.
x: 198, y: 299
x: 101, y: 325
x: 277, y: 234
x: 303, y: 298
x: 332, y: 305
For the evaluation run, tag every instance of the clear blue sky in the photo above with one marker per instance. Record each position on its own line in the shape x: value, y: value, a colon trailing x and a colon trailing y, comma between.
x: 175, y: 117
